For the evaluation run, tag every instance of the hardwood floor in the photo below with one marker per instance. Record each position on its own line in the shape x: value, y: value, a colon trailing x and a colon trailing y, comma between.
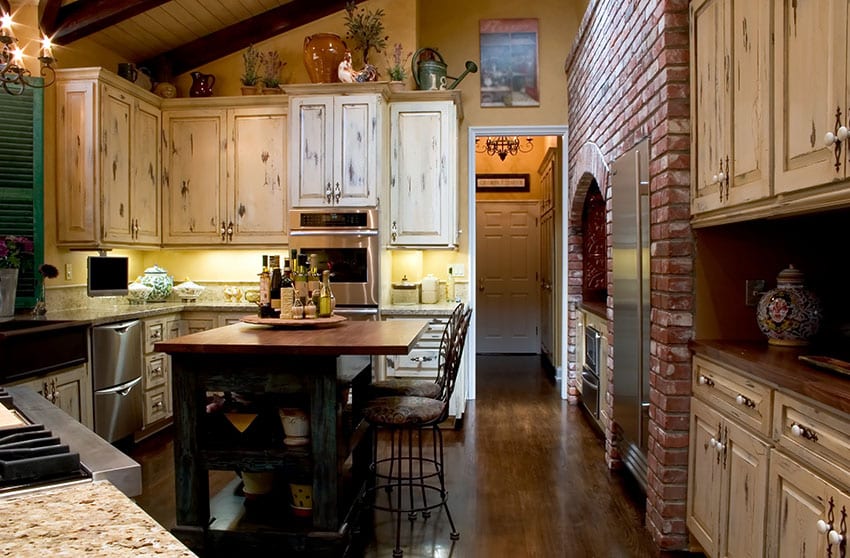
x: 526, y: 476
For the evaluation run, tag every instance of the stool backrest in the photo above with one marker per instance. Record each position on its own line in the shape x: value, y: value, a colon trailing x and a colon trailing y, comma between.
x: 446, y: 341
x: 453, y: 358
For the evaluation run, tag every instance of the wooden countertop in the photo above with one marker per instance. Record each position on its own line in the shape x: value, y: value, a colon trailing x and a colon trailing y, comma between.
x: 780, y: 367
x: 348, y: 338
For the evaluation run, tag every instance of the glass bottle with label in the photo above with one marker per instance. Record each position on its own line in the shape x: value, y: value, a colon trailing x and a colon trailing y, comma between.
x: 325, y: 296
x: 314, y: 279
x: 287, y: 291
x: 275, y: 284
x: 265, y: 301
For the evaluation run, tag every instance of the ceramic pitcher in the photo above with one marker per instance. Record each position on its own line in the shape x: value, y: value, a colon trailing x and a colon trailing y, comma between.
x: 202, y: 85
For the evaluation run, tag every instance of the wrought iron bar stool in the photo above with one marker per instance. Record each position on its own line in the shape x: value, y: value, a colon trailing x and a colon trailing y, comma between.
x: 422, y: 388
x: 410, y: 465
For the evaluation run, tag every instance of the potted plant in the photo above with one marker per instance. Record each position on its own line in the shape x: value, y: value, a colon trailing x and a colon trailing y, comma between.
x: 272, y: 66
x: 251, y: 77
x: 365, y: 28
x: 397, y: 71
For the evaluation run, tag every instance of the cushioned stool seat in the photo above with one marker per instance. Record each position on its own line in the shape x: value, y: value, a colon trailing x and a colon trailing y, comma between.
x: 404, y: 386
x: 402, y: 411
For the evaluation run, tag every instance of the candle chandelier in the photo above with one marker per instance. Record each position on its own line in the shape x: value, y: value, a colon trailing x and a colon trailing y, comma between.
x: 503, y: 146
x: 14, y: 76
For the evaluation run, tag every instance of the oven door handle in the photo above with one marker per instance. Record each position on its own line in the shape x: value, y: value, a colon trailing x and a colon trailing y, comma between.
x: 343, y: 311
x: 334, y: 232
x: 589, y: 379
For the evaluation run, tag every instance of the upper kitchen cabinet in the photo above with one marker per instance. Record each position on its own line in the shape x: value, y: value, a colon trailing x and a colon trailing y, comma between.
x: 224, y: 173
x: 107, y: 161
x: 730, y: 67
x: 423, y: 172
x: 811, y: 94
x: 336, y: 141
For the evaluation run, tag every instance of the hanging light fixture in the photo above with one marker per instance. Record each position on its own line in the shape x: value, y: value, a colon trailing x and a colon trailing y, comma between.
x: 503, y: 146
x: 14, y: 76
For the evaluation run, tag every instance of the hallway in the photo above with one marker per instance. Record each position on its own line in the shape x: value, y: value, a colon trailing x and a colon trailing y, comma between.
x: 526, y: 474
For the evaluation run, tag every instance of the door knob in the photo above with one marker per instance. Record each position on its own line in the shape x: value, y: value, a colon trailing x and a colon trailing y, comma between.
x: 481, y: 285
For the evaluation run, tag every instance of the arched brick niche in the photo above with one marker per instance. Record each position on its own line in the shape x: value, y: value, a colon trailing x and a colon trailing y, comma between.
x: 594, y: 252
x: 589, y: 167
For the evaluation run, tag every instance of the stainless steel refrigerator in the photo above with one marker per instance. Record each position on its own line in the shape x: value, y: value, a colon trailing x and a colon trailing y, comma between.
x: 630, y: 238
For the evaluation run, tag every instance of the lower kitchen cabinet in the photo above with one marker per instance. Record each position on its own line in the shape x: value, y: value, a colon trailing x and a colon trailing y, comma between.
x: 70, y: 389
x: 727, y: 484
x: 203, y: 320
x: 157, y: 407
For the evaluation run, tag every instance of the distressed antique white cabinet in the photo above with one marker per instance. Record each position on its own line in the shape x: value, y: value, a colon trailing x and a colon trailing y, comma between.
x: 70, y: 389
x: 107, y: 161
x: 336, y: 144
x: 811, y: 93
x: 423, y: 173
x: 225, y: 175
x: 730, y: 75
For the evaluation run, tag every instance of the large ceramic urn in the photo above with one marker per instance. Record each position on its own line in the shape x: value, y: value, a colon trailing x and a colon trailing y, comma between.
x: 790, y: 314
x: 160, y: 281
x: 322, y: 54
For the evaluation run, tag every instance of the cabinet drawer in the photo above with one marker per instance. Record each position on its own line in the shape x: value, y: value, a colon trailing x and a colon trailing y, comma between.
x: 745, y: 399
x: 157, y: 405
x: 419, y: 363
x: 154, y: 333
x: 812, y: 433
x: 156, y: 370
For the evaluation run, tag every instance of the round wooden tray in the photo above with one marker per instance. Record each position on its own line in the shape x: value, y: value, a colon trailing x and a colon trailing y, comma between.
x: 304, y: 323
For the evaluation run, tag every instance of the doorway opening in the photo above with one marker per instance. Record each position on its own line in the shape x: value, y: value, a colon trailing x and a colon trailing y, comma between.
x: 505, y: 220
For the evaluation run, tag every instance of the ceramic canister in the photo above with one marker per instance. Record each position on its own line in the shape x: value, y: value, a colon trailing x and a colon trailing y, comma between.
x: 161, y: 282
x: 430, y: 289
x: 790, y: 314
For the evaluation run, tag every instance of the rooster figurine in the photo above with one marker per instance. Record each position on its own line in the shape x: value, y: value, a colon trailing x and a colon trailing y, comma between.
x: 347, y: 73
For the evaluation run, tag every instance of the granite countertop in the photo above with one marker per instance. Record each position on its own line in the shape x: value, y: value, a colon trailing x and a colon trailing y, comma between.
x: 441, y: 308
x: 780, y: 368
x: 107, y: 314
x: 89, y: 519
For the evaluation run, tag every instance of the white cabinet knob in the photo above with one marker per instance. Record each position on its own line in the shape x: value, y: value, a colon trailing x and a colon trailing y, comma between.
x: 715, y: 179
x: 719, y: 447
x: 796, y: 430
x: 702, y: 380
x: 721, y: 177
x: 712, y: 442
x: 843, y: 133
x: 835, y: 538
x: 823, y: 526
x: 829, y: 139
x: 740, y: 399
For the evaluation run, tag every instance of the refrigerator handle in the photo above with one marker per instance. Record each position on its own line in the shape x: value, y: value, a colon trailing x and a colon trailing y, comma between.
x: 123, y: 389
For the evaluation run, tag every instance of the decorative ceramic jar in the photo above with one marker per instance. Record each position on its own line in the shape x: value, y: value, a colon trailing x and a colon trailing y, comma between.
x: 188, y: 291
x: 161, y: 282
x: 322, y: 54
x: 790, y: 314
x: 137, y: 293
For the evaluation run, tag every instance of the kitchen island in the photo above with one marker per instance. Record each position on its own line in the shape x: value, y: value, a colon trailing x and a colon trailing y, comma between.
x: 286, y: 363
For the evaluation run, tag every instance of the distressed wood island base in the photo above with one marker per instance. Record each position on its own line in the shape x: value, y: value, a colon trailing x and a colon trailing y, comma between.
x: 284, y: 364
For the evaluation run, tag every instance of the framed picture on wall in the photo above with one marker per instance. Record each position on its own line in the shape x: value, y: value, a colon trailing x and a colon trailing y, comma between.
x: 509, y: 63
x: 502, y: 182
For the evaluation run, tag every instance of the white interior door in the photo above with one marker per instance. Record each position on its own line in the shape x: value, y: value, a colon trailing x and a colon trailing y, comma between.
x: 507, y: 262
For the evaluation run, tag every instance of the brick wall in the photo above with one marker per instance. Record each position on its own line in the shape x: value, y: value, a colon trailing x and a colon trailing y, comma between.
x: 627, y: 78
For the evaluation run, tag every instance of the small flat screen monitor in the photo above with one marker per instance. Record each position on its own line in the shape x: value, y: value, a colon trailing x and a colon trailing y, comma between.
x: 107, y: 275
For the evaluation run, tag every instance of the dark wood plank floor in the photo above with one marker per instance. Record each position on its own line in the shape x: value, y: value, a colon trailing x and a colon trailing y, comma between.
x: 526, y: 476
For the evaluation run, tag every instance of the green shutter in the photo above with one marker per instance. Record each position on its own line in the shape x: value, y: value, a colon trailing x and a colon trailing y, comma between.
x: 22, y: 181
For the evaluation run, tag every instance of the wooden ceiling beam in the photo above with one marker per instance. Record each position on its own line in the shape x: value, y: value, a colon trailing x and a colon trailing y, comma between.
x: 238, y: 36
x: 84, y: 17
x: 48, y: 15
x: 5, y: 7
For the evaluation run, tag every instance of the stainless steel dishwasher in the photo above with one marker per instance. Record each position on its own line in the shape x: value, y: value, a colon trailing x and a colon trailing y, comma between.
x: 116, y: 353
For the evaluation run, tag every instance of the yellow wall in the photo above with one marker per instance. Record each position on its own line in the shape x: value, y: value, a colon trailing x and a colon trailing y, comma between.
x: 451, y: 27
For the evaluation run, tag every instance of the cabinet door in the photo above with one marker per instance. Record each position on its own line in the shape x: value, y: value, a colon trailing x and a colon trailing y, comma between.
x: 744, y: 494
x: 799, y: 498
x: 116, y: 113
x: 357, y: 134
x: 145, y: 174
x: 704, y: 476
x: 810, y: 66
x: 76, y: 153
x: 69, y: 389
x: 423, y: 175
x: 257, y: 175
x: 547, y: 294
x: 311, y: 150
x: 194, y: 152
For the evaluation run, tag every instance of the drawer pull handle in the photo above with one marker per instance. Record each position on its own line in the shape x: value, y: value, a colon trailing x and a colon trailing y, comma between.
x: 746, y: 401
x: 706, y: 381
x: 422, y: 359
x: 835, y: 538
x: 824, y: 527
x: 157, y: 405
x: 799, y: 431
x: 157, y: 371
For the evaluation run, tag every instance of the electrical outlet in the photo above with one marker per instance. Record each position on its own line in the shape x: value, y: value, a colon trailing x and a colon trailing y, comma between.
x: 755, y: 288
x: 67, y: 272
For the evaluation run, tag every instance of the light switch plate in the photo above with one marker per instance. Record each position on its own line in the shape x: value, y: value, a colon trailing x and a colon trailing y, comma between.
x: 67, y: 272
x: 457, y: 270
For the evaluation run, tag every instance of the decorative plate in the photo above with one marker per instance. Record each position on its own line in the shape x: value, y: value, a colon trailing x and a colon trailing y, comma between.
x: 304, y: 323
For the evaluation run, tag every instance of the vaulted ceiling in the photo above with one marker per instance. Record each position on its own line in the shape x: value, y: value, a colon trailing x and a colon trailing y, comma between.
x: 170, y: 37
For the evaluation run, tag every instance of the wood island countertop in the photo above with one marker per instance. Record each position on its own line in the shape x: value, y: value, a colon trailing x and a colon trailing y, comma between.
x: 348, y: 338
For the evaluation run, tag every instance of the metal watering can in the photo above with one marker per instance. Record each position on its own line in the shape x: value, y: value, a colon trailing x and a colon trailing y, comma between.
x: 431, y: 74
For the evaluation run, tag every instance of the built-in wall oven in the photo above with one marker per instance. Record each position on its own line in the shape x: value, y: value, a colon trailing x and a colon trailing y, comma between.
x: 590, y: 370
x: 346, y: 242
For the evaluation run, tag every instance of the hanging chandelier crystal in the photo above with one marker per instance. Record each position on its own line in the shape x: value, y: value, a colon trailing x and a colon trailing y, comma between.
x: 14, y: 76
x: 503, y: 146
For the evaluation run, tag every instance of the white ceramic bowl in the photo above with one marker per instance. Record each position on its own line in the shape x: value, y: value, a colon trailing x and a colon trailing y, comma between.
x: 189, y: 291
x: 138, y: 293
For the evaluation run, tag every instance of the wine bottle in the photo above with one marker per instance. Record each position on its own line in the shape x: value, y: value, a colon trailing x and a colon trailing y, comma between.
x: 287, y: 291
x: 314, y: 279
x: 325, y: 308
x: 265, y: 310
x: 275, y: 285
